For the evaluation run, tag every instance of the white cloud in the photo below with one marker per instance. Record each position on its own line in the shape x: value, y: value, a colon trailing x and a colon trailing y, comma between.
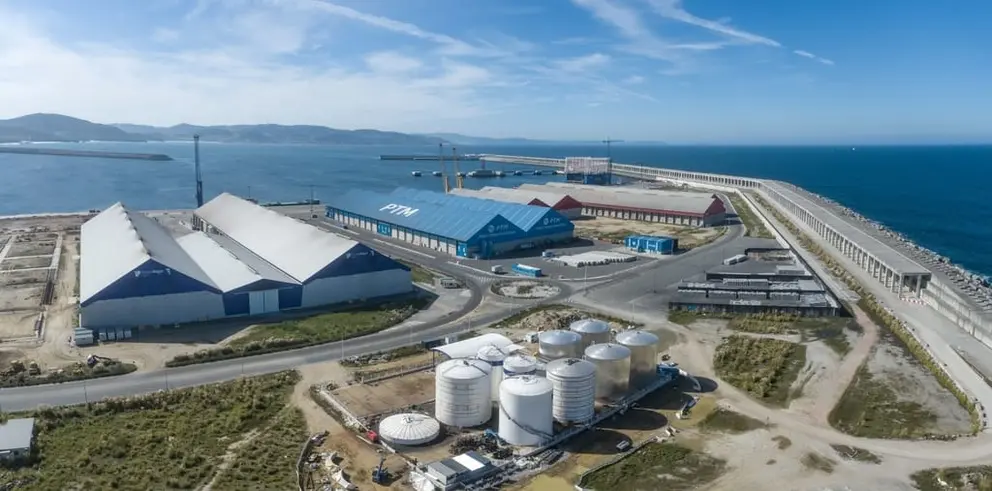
x: 639, y: 39
x: 672, y: 9
x: 807, y: 54
x: 583, y: 63
x: 825, y: 61
x: 164, y: 35
x: 391, y: 62
x: 633, y: 80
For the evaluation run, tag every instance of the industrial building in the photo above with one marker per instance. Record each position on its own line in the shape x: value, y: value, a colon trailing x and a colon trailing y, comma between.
x: 564, y: 204
x: 456, y: 225
x: 16, y: 438
x: 650, y: 205
x: 134, y: 272
x: 757, y: 286
x: 453, y: 472
x: 651, y: 244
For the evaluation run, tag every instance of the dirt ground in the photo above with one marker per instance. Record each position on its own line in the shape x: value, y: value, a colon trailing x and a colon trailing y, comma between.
x: 369, y: 399
x: 17, y: 263
x: 688, y: 236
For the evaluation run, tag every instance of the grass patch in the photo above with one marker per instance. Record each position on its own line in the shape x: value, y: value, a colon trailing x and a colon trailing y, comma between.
x: 308, y: 331
x: 856, y: 454
x: 166, y: 440
x: 657, y: 466
x: 420, y: 274
x: 871, y: 408
x: 830, y: 331
x: 70, y: 373
x: 764, y: 368
x: 783, y: 442
x: 268, y: 460
x: 977, y: 477
x: 730, y: 421
x: 759, y: 325
x: 511, y: 321
x: 817, y: 462
x: 755, y: 227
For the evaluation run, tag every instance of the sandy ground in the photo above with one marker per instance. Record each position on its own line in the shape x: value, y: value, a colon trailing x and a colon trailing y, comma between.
x: 687, y: 236
x: 528, y: 289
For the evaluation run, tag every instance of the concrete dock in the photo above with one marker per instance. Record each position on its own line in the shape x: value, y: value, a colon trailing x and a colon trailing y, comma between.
x: 31, y: 150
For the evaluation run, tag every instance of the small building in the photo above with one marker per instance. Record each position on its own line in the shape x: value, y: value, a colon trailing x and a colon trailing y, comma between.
x: 654, y: 244
x: 458, y: 470
x: 16, y: 438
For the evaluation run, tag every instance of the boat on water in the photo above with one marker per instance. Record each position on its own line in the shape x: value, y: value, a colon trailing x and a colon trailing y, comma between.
x: 416, y: 173
x: 482, y: 173
x: 558, y: 172
x: 518, y: 172
x: 436, y: 173
x: 537, y: 173
x: 500, y: 173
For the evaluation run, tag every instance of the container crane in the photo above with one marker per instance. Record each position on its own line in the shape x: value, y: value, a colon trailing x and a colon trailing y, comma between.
x: 458, y: 175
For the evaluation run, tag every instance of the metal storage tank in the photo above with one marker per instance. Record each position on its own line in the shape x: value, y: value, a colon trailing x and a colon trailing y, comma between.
x: 574, y: 390
x: 559, y: 344
x: 612, y: 369
x: 525, y: 410
x: 519, y: 365
x: 463, y: 393
x: 495, y: 358
x: 593, y: 331
x: 409, y: 429
x: 643, y: 347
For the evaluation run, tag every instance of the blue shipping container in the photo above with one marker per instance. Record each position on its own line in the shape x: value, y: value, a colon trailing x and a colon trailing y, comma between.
x: 651, y: 244
x: 526, y: 270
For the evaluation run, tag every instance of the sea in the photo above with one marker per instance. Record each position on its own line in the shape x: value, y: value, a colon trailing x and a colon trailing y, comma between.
x: 938, y: 196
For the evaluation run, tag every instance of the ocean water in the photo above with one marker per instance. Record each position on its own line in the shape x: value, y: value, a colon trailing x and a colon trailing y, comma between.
x: 937, y: 196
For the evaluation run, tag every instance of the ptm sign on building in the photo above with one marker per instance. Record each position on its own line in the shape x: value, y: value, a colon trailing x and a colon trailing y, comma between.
x: 401, y: 210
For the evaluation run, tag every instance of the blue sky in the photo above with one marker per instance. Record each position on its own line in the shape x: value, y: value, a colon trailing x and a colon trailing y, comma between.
x: 690, y: 71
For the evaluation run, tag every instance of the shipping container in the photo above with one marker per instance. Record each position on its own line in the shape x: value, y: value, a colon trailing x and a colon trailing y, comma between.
x: 526, y: 270
x: 654, y: 244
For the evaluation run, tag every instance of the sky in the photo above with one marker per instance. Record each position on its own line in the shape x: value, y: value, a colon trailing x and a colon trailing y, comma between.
x: 689, y: 71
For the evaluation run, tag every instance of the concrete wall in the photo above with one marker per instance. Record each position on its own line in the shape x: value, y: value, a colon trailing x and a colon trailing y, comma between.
x: 948, y: 303
x: 153, y: 310
x: 325, y: 291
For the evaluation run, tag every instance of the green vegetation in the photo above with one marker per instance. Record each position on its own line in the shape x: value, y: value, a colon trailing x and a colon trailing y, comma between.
x: 656, y: 466
x: 764, y: 368
x: 977, y: 477
x: 782, y: 441
x: 420, y: 274
x: 726, y: 420
x: 856, y: 454
x: 753, y: 224
x: 870, y: 408
x: 511, y: 321
x: 817, y: 462
x: 268, y: 460
x: 832, y: 331
x: 14, y: 377
x: 166, y: 440
x: 308, y: 331
x: 757, y: 323
x: 829, y: 330
x: 880, y: 316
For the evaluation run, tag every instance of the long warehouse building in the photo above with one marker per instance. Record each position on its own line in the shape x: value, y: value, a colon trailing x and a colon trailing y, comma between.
x: 134, y: 272
x: 455, y: 225
x: 568, y: 206
x: 650, y: 205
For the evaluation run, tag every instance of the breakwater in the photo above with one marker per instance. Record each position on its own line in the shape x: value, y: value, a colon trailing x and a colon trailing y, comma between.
x: 83, y: 153
x: 435, y: 158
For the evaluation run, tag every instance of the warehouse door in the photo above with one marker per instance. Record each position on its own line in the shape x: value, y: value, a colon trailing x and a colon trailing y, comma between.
x: 256, y: 303
x: 271, y: 301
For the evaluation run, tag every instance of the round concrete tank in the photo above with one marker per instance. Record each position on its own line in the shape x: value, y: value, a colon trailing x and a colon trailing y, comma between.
x: 643, y: 347
x: 520, y: 364
x: 409, y: 429
x: 574, y: 387
x: 525, y: 410
x: 612, y: 369
x: 593, y: 331
x: 559, y: 344
x: 494, y: 357
x: 463, y: 393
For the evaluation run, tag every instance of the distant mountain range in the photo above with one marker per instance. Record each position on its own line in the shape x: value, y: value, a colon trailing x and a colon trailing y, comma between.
x: 56, y: 127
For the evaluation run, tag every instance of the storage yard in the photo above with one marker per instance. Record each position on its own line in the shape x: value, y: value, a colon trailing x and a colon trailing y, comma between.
x: 455, y: 225
x: 616, y: 230
x: 28, y: 272
x: 249, y: 260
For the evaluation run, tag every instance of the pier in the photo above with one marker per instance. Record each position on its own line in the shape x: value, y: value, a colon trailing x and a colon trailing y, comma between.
x: 61, y: 152
x: 435, y: 158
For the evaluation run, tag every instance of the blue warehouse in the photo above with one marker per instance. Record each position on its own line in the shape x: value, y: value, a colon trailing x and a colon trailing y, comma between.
x: 456, y: 225
x: 251, y: 260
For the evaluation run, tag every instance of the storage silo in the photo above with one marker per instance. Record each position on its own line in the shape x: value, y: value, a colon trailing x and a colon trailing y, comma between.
x: 574, y: 390
x: 494, y: 357
x: 643, y: 347
x: 525, y: 410
x: 409, y: 429
x: 557, y: 344
x: 463, y: 393
x: 519, y: 364
x: 612, y: 369
x: 593, y: 331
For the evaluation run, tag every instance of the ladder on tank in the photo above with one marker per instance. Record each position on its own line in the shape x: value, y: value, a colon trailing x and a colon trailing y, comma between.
x: 527, y: 428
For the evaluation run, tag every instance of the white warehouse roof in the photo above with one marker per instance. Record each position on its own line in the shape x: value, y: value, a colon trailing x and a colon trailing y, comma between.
x: 650, y: 199
x: 298, y: 249
x: 117, y: 241
x: 469, y: 348
x: 222, y: 266
x: 495, y: 196
x: 549, y: 197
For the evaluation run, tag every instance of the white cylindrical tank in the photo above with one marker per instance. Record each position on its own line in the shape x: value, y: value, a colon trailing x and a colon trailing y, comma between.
x: 643, y: 347
x: 525, y: 410
x: 593, y: 331
x: 559, y: 344
x: 463, y: 393
x: 494, y: 357
x: 612, y: 369
x: 409, y: 429
x: 574, y: 388
x: 519, y: 364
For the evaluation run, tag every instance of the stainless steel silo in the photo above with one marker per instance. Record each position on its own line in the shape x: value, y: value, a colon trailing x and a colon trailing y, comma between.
x: 593, y: 331
x: 557, y: 344
x: 612, y: 369
x: 643, y: 347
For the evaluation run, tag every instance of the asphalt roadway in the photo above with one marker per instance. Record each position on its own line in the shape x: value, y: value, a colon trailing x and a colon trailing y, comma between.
x: 631, y: 287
